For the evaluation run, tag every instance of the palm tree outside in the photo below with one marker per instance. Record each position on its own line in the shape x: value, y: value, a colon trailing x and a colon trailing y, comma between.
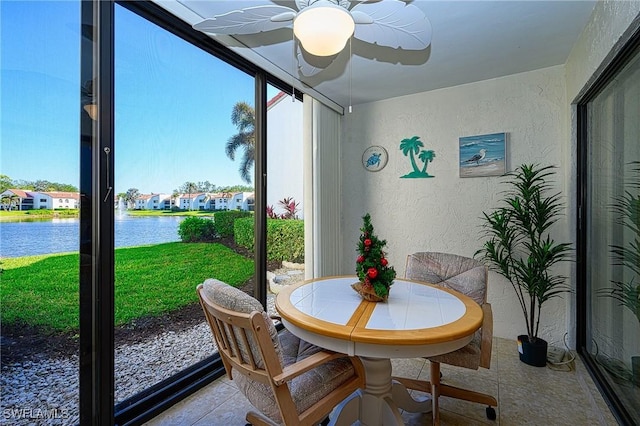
x: 190, y: 188
x: 9, y: 202
x: 131, y: 196
x: 244, y: 118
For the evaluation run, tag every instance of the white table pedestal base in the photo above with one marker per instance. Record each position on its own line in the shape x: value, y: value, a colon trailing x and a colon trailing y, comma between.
x: 380, y: 402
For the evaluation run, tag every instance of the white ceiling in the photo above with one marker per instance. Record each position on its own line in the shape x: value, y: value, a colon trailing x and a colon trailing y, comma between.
x: 472, y: 41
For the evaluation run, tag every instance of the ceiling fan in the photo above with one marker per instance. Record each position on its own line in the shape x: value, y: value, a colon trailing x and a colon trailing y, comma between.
x: 323, y: 27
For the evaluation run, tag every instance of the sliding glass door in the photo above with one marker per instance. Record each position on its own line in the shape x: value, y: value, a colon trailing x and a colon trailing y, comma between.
x: 128, y: 136
x: 612, y: 236
x: 39, y: 220
x: 176, y: 156
x: 183, y: 165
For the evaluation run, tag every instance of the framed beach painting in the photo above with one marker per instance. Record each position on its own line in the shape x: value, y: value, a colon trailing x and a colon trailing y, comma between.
x: 483, y: 155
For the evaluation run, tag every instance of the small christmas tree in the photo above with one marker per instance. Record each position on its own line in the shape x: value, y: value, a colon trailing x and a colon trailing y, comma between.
x: 374, y: 272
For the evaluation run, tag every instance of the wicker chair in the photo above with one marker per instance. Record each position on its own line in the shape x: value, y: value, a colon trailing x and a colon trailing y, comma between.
x: 288, y: 380
x: 467, y: 276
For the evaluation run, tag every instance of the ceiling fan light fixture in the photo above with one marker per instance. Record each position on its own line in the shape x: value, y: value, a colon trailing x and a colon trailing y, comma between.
x: 323, y: 28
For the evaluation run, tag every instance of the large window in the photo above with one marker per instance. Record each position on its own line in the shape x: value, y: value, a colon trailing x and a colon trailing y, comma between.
x: 612, y: 236
x: 143, y: 123
x: 174, y: 106
x: 128, y: 113
x: 39, y: 122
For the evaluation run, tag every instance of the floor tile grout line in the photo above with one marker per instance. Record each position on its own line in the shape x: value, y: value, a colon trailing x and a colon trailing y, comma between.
x: 217, y: 384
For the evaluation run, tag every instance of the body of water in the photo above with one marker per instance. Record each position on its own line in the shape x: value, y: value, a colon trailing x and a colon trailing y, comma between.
x: 28, y: 238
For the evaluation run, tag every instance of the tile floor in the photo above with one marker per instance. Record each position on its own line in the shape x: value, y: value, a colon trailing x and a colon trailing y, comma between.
x: 526, y: 396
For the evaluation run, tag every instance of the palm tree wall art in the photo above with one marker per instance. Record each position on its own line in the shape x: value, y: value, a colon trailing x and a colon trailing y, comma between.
x: 412, y: 147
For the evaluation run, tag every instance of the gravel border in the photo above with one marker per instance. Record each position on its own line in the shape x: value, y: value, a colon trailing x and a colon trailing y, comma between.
x: 45, y: 391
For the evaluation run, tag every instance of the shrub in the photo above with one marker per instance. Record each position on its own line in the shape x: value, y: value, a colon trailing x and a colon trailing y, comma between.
x: 224, y: 221
x: 285, y: 238
x: 40, y: 212
x: 194, y: 229
x: 243, y: 232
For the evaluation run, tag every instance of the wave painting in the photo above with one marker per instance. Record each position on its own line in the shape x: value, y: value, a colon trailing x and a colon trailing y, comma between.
x: 483, y: 155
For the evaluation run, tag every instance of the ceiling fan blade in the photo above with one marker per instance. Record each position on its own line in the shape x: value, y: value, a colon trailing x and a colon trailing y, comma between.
x: 395, y: 24
x: 250, y: 20
x: 361, y: 17
x: 301, y: 4
x: 308, y: 70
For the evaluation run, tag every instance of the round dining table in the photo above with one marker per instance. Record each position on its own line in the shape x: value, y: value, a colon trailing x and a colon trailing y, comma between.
x: 417, y: 320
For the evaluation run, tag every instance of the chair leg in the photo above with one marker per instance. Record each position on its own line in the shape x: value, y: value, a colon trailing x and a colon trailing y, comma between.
x: 467, y: 395
x: 258, y: 419
x: 443, y: 389
x: 435, y: 391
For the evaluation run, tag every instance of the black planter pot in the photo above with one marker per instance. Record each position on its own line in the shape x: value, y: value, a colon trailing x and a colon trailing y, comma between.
x: 532, y: 353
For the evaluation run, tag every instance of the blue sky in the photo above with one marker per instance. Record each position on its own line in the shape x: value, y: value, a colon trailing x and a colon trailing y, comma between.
x: 173, y: 101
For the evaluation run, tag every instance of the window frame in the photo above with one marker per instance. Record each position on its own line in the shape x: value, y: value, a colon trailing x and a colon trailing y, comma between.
x: 625, y: 54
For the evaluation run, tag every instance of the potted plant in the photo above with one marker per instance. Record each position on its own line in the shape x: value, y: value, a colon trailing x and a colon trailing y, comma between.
x: 519, y: 247
x: 626, y: 209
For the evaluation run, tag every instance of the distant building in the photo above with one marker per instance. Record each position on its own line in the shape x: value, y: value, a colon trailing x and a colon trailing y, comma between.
x: 220, y: 200
x: 195, y: 201
x: 30, y: 200
x: 153, y: 202
x: 57, y: 200
x: 242, y: 201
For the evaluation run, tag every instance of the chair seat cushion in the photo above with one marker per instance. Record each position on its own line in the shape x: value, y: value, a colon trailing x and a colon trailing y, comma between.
x: 306, y: 389
x: 468, y: 356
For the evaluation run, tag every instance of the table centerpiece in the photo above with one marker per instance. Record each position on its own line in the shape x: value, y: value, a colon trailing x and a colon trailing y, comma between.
x: 373, y: 270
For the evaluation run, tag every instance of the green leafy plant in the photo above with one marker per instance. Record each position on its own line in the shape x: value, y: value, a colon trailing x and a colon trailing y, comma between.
x: 518, y: 244
x: 225, y: 219
x: 372, y: 267
x: 285, y: 238
x: 626, y: 209
x: 196, y: 229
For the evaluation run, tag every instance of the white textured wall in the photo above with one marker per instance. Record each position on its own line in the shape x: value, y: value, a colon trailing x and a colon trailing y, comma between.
x: 284, y: 150
x: 602, y: 37
x: 443, y: 213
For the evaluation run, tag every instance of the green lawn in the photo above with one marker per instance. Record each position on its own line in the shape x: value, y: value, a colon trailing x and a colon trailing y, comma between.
x: 150, y: 280
x: 37, y: 214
